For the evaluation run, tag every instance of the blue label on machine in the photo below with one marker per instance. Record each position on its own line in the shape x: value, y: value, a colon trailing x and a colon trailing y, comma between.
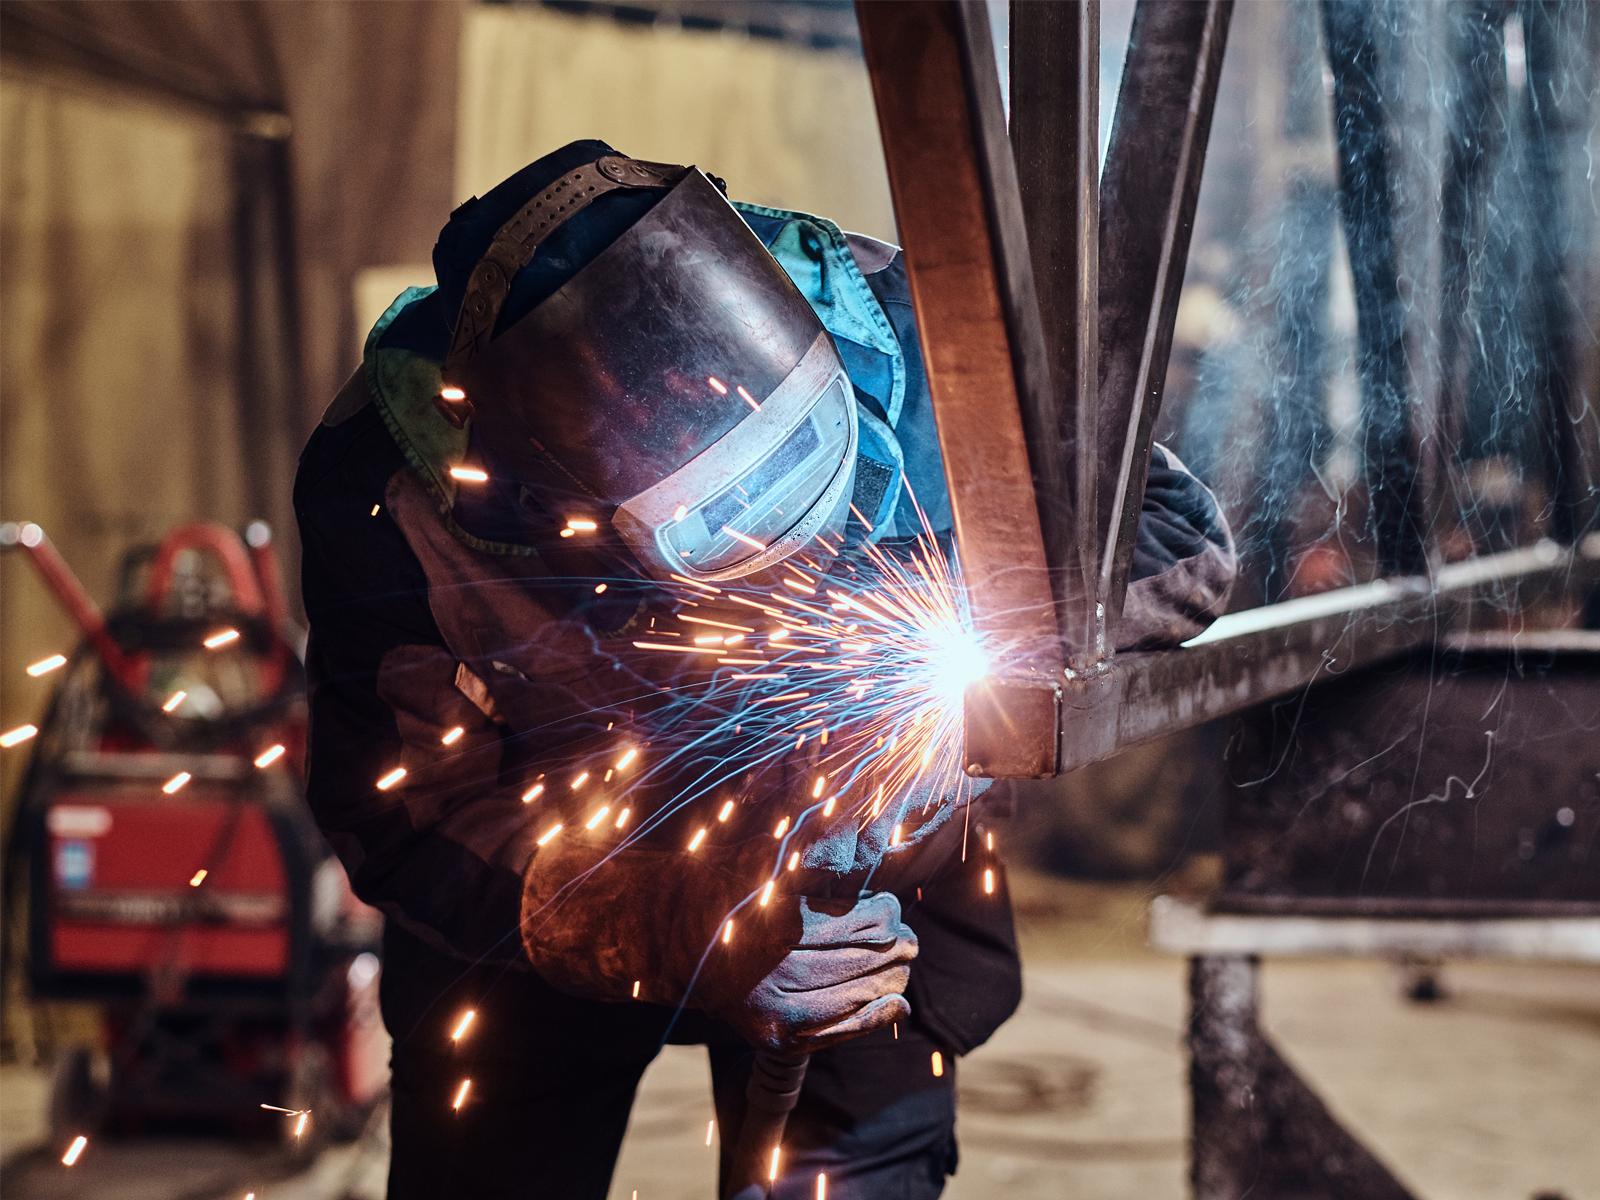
x: 74, y: 865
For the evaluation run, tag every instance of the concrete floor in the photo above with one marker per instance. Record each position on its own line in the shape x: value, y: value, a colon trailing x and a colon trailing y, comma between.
x: 1492, y: 1093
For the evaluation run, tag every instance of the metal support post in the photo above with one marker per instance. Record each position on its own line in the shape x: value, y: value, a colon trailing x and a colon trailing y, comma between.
x: 1055, y: 132
x: 937, y: 93
x: 1366, y: 202
x: 1258, y: 1129
x: 1147, y: 202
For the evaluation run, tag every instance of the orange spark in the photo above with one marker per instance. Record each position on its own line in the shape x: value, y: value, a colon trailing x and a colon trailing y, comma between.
x: 392, y: 778
x: 45, y: 665
x: 469, y: 475
x: 221, y: 639
x: 466, y: 1020
x: 270, y: 755
x: 176, y: 782
x: 199, y: 877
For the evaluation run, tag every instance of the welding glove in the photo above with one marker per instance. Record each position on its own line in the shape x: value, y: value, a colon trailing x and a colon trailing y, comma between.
x: 845, y: 976
x: 794, y: 974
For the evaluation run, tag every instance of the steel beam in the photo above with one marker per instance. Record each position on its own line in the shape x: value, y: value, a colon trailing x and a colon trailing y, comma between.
x: 1255, y: 655
x: 1055, y: 137
x: 937, y: 94
x: 1147, y: 200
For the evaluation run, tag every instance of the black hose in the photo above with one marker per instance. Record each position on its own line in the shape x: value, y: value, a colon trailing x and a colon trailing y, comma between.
x: 770, y: 1096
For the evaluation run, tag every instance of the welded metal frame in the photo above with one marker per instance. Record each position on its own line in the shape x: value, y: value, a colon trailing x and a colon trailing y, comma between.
x: 1047, y: 348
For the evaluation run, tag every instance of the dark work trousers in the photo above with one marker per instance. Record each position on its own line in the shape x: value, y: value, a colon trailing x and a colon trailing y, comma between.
x: 553, y: 1079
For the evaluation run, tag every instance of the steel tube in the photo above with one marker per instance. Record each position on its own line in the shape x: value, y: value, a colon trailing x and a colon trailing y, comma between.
x: 1055, y: 139
x: 937, y: 96
x: 1147, y: 201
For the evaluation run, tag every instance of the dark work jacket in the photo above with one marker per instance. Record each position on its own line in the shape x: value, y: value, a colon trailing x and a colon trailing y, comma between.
x: 431, y: 613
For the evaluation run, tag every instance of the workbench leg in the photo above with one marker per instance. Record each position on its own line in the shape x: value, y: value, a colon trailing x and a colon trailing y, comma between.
x: 1258, y: 1128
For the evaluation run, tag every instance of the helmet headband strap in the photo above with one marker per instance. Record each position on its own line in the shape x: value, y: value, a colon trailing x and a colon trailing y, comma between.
x: 519, y: 239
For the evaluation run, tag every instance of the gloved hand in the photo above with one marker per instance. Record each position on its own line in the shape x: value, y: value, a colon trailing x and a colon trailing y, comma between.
x: 795, y: 974
x: 844, y: 977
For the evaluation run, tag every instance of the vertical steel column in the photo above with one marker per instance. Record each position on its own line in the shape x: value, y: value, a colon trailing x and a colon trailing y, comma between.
x: 937, y: 93
x: 1259, y: 1130
x: 1055, y: 137
x: 1366, y: 202
x: 1147, y: 201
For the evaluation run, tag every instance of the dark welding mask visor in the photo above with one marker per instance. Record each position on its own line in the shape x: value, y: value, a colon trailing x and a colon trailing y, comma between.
x: 677, y: 389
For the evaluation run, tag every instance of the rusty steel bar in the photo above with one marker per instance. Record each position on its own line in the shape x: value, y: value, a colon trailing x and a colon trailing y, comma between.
x: 1055, y: 138
x: 1256, y: 655
x: 937, y: 95
x: 1147, y: 201
x: 1262, y: 653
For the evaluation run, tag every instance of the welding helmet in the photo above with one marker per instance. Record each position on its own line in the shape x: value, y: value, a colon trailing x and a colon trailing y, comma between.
x: 676, y: 395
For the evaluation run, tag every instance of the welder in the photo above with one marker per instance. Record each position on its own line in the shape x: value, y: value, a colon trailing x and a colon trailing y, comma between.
x: 623, y: 383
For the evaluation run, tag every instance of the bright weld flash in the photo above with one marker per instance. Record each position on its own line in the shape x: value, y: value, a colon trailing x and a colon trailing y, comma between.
x: 822, y: 1187
x: 938, y: 1064
x: 533, y: 793
x: 794, y: 861
x: 694, y: 843
x: 466, y: 1020
x: 221, y: 639
x: 581, y: 526
x: 74, y: 1150
x: 711, y: 1127
x: 269, y: 756
x: 636, y: 989
x: 776, y: 1152
x: 727, y: 933
x: 300, y: 1125
x: 598, y: 817
x: 392, y: 778
x: 45, y: 665
x: 173, y: 701
x: 199, y: 877
x: 469, y: 475
x: 453, y: 736
x: 461, y: 1095
x: 549, y: 833
x: 988, y: 881
x: 766, y: 894
x: 176, y: 782
x: 727, y: 811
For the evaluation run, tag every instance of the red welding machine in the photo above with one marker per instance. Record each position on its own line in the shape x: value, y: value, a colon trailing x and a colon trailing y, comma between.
x: 174, y: 874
